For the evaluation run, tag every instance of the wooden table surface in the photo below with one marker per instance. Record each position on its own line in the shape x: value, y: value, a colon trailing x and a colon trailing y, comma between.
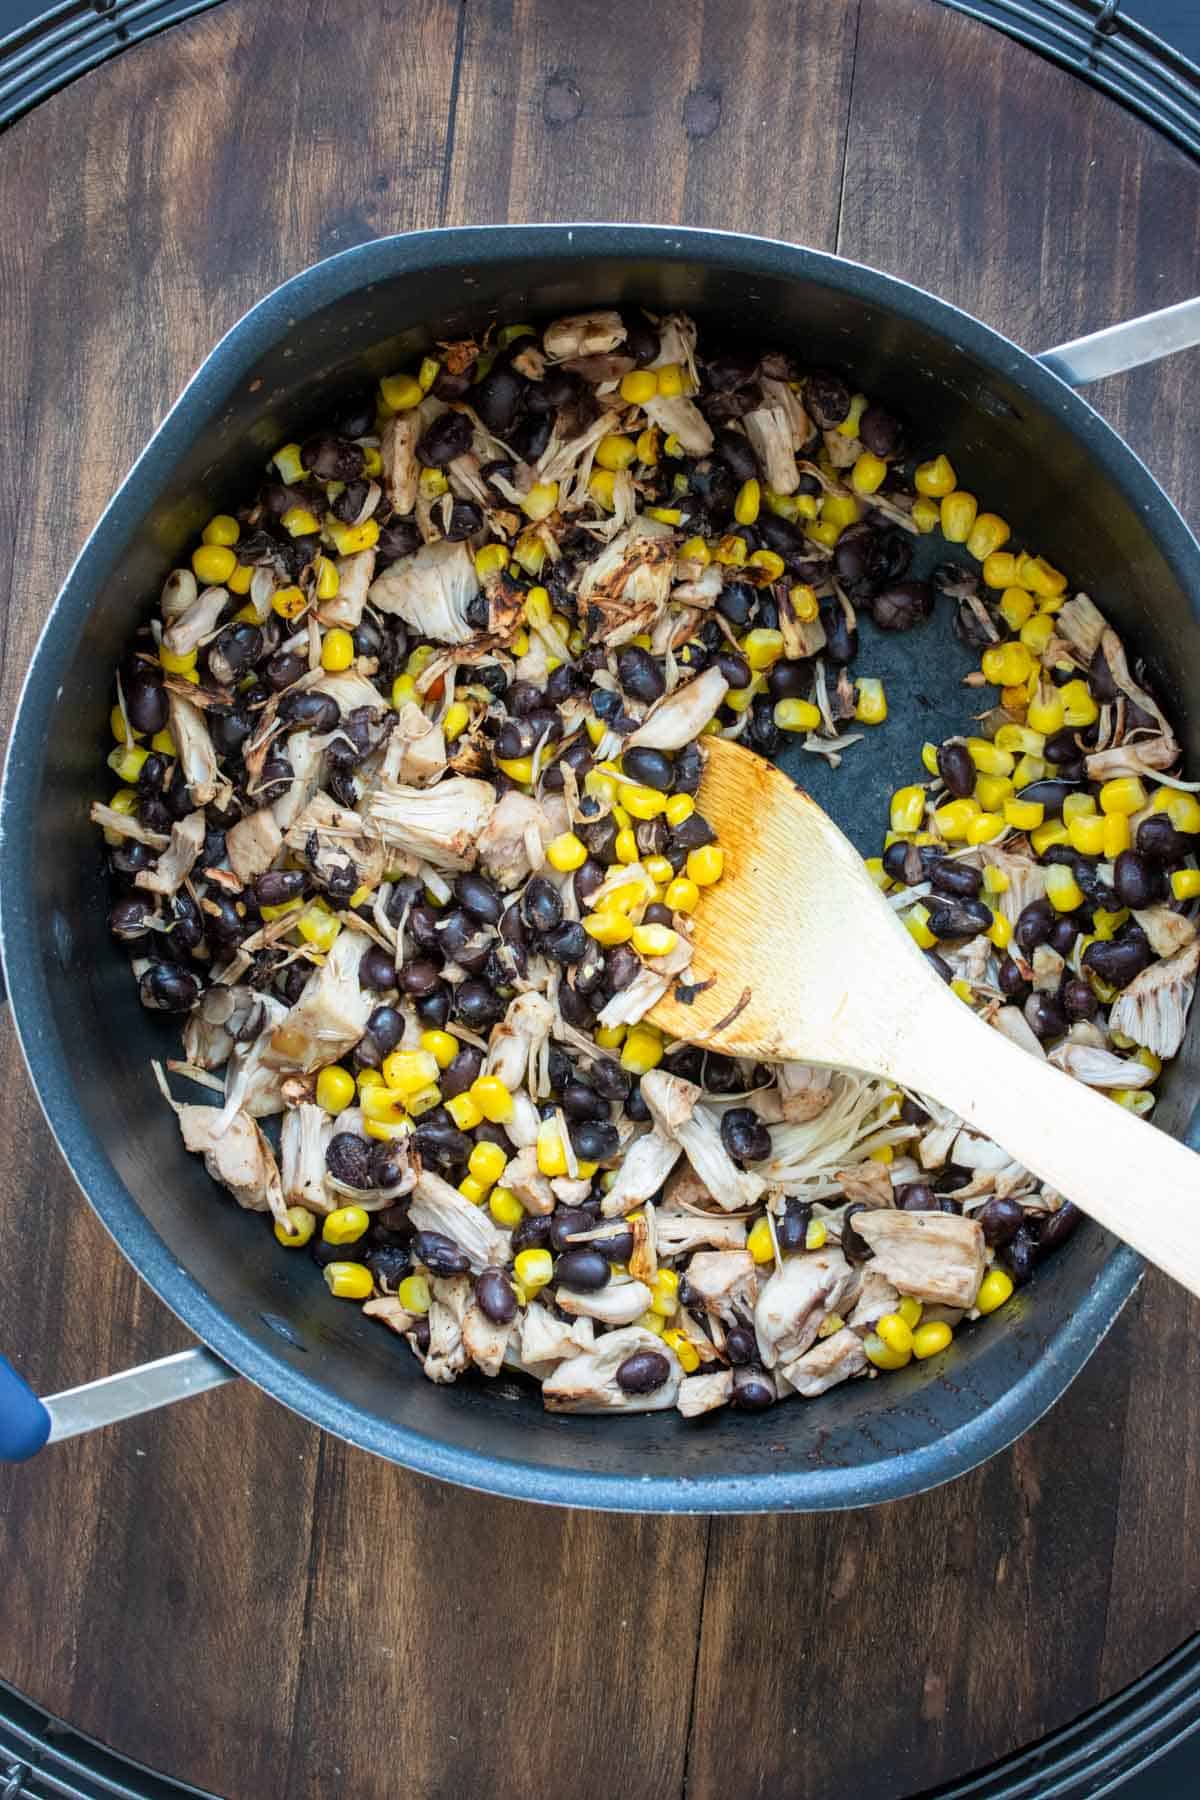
x: 223, y: 1593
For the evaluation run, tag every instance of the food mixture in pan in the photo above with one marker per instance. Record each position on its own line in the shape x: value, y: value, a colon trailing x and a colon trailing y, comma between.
x: 407, y: 835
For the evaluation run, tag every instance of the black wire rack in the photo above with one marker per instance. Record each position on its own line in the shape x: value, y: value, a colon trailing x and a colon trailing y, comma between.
x: 1140, y: 1735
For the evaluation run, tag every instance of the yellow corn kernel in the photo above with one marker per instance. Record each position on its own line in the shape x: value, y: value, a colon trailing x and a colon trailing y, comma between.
x: 1078, y: 806
x: 953, y: 818
x: 1135, y: 1100
x: 825, y: 532
x: 427, y: 374
x: 706, y: 865
x: 328, y: 580
x: 1085, y: 833
x: 600, y: 487
x: 762, y: 648
x: 796, y: 715
x: 928, y: 1339
x: 759, y: 1242
x: 1185, y: 883
x: 840, y: 510
x: 682, y: 895
x: 986, y: 535
x: 551, y: 1153
x: 1125, y: 794
x: 1062, y: 890
x: 695, y: 550
x: 910, y: 1311
x: 541, y: 500
x: 222, y: 528
x: 907, y: 809
x: 1150, y: 1061
x: 126, y: 762
x: 490, y: 560
x: 1036, y: 633
x: 817, y: 1234
x: 639, y: 386
x: 491, y: 1099
x: 995, y: 1288
x: 647, y: 448
x: 1118, y: 835
x: 383, y: 1107
x: 487, y: 1163
x: 616, y: 451
x: 1023, y: 815
x: 803, y: 600
x: 432, y: 484
x: 999, y: 566
x: 659, y: 869
x: 566, y: 852
x: 472, y: 1189
x: 641, y: 802
x: 124, y: 734
x: 1183, y: 810
x: 670, y: 380
x: 372, y: 461
x: 936, y: 478
x: 769, y: 562
x: 1046, y: 712
x: 1079, y: 706
x: 318, y: 928
x: 214, y: 563
x: 642, y: 1049
x: 401, y: 392
x: 608, y: 927
x: 926, y: 515
x: 289, y: 602
x: 1015, y: 607
x: 654, y: 940
x: 916, y: 923
x: 455, y: 720
x: 782, y: 505
x: 1029, y: 769
x: 296, y: 1227
x: 995, y: 881
x: 984, y: 827
x: 465, y: 1110
x: 1052, y: 832
x: 625, y: 845
x: 850, y: 424
x: 335, y: 1089
x: 407, y: 1071
x: 1006, y: 665
x: 1000, y: 931
x: 349, y: 539
x: 297, y: 521
x: 239, y: 583
x: 678, y: 808
x: 517, y: 768
x: 404, y: 691
x: 992, y: 791
x: 287, y: 461
x: 337, y: 650
x: 414, y: 1296
x: 665, y: 1290
x: 529, y: 553
x: 505, y: 1208
x: 988, y: 757
x: 348, y: 1280
x: 958, y: 515
x: 870, y: 706
x: 896, y: 1332
x: 868, y: 473
x: 685, y: 1351
x: 672, y: 446
x: 1036, y: 574
x: 345, y: 1225
x: 882, y: 1355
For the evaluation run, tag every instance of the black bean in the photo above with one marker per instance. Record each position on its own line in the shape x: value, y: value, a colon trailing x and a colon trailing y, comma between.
x: 745, y: 1137
x: 479, y: 897
x: 582, y: 1268
x: 1138, y: 880
x: 389, y: 1264
x: 1119, y: 960
x: 958, y: 880
x: 449, y: 436
x: 903, y: 862
x: 791, y: 1230
x: 440, y: 1254
x: 224, y: 926
x: 854, y: 1248
x: 1034, y: 925
x: 419, y: 977
x: 609, y: 1079
x: 639, y: 673
x: 563, y: 1222
x: 497, y: 398
x: 1011, y: 981
x: 958, y: 918
x: 764, y: 733
x: 753, y: 1390
x: 1077, y: 999
x: 916, y: 1196
x: 912, y: 1112
x: 737, y: 453
x: 635, y: 1106
x: 827, y: 398
x: 1019, y: 1256
x: 277, y: 886
x: 1051, y: 794
x: 566, y: 943
x: 579, y: 1101
x: 595, y: 1140
x: 398, y: 538
x: 587, y: 878
x: 741, y: 1345
x: 377, y: 970
x: 127, y: 920
x: 788, y: 680
x: 541, y: 904
x: 440, y: 1141
x: 643, y: 1372
x: 533, y: 1233
x: 145, y: 702
x: 1158, y: 839
x: 956, y: 769
x: 348, y: 1158
x: 1056, y: 1227
x: 166, y: 988
x: 880, y: 431
x: 641, y: 340
x: 939, y: 965
x: 389, y: 1164
x: 693, y: 833
x: 841, y: 642
x: 465, y: 520
x: 903, y: 605
x: 1045, y: 1017
x: 284, y: 669
x: 308, y: 709
x: 735, y: 603
x: 1001, y: 1220
x: 477, y: 1005
x: 497, y: 1302
x: 332, y: 458
x: 650, y: 768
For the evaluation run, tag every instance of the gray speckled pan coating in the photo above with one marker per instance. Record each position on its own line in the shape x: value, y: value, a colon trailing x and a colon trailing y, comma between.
x: 1033, y: 450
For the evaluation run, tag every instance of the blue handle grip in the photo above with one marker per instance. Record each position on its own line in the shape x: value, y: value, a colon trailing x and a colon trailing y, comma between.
x: 24, y: 1421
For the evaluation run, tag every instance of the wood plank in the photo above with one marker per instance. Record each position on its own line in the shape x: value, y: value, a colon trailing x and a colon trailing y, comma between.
x: 608, y: 109
x: 475, y: 1646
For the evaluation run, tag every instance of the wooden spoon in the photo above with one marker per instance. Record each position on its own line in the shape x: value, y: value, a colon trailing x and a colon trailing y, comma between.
x: 808, y: 963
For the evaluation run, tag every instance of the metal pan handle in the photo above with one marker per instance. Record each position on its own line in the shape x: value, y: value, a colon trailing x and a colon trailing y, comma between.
x: 26, y: 1423
x: 1127, y: 346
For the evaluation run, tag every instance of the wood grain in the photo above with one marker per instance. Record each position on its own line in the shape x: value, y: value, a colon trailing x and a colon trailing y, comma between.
x: 220, y: 1592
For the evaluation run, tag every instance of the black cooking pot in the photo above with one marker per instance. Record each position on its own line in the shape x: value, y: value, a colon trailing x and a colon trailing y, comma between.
x: 1019, y: 436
